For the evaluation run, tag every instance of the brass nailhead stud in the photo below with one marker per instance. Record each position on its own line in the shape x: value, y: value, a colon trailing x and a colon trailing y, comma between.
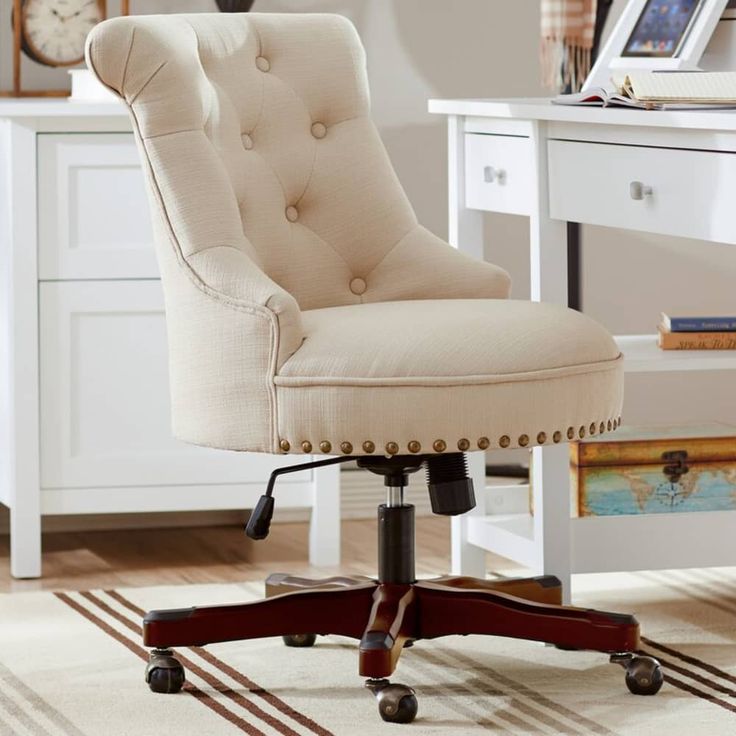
x: 391, y: 448
x: 439, y: 445
x: 505, y: 441
x: 592, y: 428
x: 524, y: 440
x: 325, y: 446
x: 603, y: 427
x: 414, y: 446
x: 541, y: 438
x: 284, y: 445
x: 581, y: 433
x: 346, y: 447
x: 484, y: 443
x: 463, y: 445
x: 557, y: 436
x: 610, y: 425
x: 369, y: 447
x: 306, y: 447
x: 619, y: 421
x: 570, y: 433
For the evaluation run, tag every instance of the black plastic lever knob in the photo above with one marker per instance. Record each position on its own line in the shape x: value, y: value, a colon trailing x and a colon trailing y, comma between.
x: 259, y: 523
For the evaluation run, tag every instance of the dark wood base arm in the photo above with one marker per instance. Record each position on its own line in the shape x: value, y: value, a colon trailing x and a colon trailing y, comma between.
x: 341, y: 611
x: 385, y: 617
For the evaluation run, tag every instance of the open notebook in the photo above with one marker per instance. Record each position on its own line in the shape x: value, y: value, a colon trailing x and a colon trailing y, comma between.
x: 662, y: 91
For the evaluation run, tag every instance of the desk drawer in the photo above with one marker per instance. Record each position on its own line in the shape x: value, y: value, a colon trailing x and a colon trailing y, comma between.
x: 658, y: 190
x: 93, y: 220
x: 499, y: 173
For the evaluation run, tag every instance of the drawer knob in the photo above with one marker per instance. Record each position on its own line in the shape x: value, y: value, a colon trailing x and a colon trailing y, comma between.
x: 491, y: 174
x: 638, y: 191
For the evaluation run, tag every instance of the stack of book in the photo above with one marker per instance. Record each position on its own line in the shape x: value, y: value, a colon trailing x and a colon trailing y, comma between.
x: 697, y: 333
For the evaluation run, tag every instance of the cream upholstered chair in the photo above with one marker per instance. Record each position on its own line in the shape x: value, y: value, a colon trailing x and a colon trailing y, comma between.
x: 309, y: 312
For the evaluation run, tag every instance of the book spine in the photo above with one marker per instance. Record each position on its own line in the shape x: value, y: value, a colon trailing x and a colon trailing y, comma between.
x: 697, y: 340
x: 702, y: 324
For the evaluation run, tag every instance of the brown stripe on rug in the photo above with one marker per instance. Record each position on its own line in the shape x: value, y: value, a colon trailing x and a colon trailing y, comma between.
x: 234, y: 674
x: 193, y: 690
x: 211, y: 679
x: 9, y: 680
x: 585, y: 725
x: 712, y: 669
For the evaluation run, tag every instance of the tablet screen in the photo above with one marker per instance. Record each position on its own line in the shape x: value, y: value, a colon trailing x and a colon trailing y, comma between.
x: 662, y: 27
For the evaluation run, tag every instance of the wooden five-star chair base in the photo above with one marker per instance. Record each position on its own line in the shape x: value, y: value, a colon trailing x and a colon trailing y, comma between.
x: 394, y: 611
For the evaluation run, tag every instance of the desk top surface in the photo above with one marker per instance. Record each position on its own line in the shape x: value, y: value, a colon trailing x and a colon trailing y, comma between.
x: 58, y: 107
x: 541, y: 108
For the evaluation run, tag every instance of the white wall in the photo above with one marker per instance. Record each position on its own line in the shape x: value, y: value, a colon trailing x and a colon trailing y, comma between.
x: 489, y: 48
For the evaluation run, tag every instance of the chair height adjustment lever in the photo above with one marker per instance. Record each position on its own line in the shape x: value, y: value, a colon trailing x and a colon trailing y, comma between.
x: 259, y: 523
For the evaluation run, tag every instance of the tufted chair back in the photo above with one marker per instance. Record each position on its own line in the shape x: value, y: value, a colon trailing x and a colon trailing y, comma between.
x: 271, y: 190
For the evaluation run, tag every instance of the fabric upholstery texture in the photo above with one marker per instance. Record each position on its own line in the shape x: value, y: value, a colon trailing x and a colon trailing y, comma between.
x: 305, y: 304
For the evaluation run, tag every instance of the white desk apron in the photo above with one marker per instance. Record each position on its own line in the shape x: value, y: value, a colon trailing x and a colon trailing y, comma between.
x: 669, y: 172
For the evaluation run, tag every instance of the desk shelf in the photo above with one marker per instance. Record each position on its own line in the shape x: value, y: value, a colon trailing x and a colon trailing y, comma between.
x: 641, y: 355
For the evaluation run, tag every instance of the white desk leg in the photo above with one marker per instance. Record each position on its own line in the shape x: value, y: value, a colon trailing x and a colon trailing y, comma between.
x: 550, y: 473
x: 19, y: 448
x: 324, y: 526
x: 466, y: 234
x: 466, y: 558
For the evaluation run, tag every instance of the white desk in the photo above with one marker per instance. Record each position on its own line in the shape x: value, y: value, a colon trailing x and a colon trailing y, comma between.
x: 672, y: 173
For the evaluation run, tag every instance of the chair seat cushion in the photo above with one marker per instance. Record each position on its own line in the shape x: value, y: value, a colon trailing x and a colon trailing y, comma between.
x: 436, y: 375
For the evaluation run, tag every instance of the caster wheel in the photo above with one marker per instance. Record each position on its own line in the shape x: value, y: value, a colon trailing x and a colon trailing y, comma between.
x: 396, y: 703
x: 299, y: 640
x: 164, y: 673
x: 644, y: 675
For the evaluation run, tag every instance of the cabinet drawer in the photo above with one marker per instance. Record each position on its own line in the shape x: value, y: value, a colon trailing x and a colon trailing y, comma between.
x: 105, y: 395
x: 499, y: 173
x: 668, y: 191
x: 93, y: 219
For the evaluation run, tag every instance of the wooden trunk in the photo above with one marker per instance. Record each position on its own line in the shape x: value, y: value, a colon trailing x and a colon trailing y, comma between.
x: 655, y: 470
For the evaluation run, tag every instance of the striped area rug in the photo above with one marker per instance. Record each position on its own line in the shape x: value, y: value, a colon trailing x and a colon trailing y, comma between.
x: 71, y: 664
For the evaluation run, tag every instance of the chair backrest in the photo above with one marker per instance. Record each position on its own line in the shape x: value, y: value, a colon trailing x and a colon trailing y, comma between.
x: 257, y: 130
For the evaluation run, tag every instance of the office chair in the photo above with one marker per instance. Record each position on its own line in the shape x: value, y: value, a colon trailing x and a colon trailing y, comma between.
x: 309, y: 313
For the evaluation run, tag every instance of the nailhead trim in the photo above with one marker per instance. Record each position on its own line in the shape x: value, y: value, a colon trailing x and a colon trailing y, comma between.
x: 463, y: 444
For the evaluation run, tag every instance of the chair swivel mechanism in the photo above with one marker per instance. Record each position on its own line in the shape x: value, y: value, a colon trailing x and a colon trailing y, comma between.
x: 309, y: 313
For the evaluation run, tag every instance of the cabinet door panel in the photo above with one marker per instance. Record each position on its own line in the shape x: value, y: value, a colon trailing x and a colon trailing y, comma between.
x: 93, y: 214
x: 105, y: 395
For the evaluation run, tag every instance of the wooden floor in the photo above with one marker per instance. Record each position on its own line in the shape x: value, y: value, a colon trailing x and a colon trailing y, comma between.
x: 134, y: 558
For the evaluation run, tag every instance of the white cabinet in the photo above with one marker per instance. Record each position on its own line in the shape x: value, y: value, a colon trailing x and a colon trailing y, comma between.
x: 93, y: 216
x: 84, y: 395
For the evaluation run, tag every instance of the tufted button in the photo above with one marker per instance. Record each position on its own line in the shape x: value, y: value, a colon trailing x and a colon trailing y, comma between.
x: 358, y: 286
x: 292, y: 214
x: 263, y: 63
x: 247, y: 141
x: 319, y: 130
